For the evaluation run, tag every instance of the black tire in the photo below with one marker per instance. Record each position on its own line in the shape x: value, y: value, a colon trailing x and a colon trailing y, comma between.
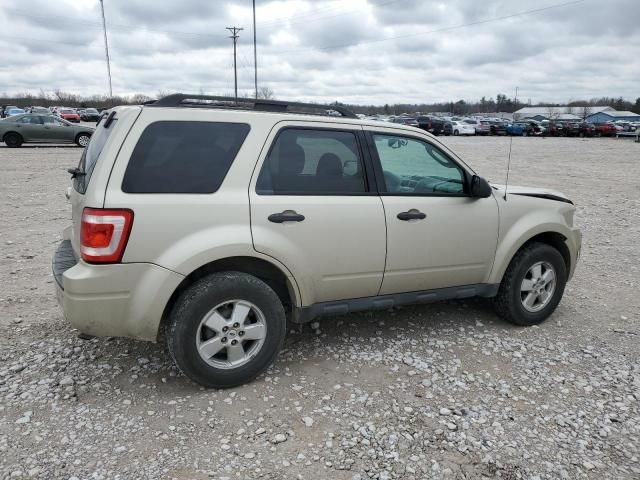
x: 13, y: 140
x: 80, y: 137
x: 508, y: 302
x: 456, y: 133
x: 199, y: 299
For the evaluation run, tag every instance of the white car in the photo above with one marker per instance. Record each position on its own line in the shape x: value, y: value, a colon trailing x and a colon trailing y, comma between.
x: 461, y: 128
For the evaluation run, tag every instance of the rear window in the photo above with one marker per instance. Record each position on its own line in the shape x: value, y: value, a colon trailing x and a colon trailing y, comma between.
x: 90, y: 154
x: 183, y: 157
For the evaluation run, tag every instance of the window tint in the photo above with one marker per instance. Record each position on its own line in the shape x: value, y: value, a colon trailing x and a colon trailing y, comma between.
x: 183, y: 157
x: 308, y: 162
x: 411, y: 166
x: 90, y: 155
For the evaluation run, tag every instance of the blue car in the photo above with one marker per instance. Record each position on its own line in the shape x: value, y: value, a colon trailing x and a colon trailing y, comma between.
x: 514, y: 129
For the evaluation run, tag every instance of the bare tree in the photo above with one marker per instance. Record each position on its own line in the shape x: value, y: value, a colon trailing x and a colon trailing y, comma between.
x: 266, y: 93
x: 585, y: 111
x: 552, y: 113
x: 139, y: 98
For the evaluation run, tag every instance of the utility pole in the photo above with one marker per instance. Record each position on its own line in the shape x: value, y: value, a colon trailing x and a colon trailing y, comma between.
x: 106, y: 47
x: 255, y: 50
x: 234, y: 36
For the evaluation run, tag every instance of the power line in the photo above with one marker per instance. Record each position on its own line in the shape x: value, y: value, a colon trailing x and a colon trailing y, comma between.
x: 313, y: 16
x: 438, y: 30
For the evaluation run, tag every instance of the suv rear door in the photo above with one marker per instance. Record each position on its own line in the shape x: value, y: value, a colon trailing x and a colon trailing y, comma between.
x: 437, y: 235
x: 314, y: 210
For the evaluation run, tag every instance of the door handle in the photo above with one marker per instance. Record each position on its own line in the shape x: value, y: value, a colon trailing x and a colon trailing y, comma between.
x: 286, y: 216
x: 412, y: 214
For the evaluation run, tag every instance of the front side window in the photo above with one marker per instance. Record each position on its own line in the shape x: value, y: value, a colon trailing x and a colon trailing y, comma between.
x: 312, y: 162
x: 411, y: 166
x: 183, y: 157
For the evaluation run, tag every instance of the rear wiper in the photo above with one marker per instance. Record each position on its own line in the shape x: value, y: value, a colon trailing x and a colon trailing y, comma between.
x: 76, y: 172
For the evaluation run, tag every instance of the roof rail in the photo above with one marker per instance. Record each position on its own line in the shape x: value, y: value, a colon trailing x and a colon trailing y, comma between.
x: 208, y: 101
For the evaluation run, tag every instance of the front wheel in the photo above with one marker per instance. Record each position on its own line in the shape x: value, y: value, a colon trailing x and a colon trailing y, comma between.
x: 83, y: 139
x: 456, y: 132
x: 226, y: 329
x: 532, y: 286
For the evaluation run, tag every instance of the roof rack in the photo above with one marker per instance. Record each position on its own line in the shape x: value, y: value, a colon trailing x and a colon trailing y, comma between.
x: 207, y: 101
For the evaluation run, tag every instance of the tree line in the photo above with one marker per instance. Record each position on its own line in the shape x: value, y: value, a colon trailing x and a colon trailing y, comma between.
x: 501, y: 103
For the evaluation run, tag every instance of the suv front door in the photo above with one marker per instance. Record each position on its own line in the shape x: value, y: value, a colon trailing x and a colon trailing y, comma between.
x: 437, y: 235
x: 313, y: 209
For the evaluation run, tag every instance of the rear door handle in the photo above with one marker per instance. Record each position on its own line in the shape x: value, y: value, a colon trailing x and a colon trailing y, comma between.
x: 286, y: 216
x: 412, y: 215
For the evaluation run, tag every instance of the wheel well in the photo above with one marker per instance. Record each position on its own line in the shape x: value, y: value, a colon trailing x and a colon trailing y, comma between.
x: 9, y: 133
x: 265, y: 271
x: 555, y: 240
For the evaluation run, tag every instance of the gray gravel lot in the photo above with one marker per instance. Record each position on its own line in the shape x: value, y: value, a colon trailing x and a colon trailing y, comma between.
x: 439, y: 391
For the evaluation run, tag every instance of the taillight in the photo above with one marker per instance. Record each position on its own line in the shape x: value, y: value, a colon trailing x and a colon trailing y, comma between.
x: 104, y: 234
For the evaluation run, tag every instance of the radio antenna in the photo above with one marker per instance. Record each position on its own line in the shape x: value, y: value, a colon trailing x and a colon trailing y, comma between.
x: 506, y: 183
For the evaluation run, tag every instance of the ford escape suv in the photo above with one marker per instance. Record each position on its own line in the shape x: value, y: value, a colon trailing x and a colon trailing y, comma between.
x: 210, y: 223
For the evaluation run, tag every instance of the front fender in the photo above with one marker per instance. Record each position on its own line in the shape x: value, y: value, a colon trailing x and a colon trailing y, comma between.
x: 514, y: 234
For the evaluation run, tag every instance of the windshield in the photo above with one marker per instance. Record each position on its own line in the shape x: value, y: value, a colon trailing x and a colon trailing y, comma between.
x: 91, y: 110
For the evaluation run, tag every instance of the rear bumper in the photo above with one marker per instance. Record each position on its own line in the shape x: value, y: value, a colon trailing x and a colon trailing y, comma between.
x: 120, y: 300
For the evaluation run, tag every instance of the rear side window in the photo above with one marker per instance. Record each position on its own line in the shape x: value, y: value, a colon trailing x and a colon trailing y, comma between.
x: 90, y: 154
x: 312, y: 162
x: 183, y: 157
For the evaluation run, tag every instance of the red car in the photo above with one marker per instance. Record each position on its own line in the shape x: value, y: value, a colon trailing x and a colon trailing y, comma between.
x: 606, y: 130
x: 69, y: 115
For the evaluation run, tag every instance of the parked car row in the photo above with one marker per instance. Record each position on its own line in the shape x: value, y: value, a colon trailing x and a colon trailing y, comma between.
x: 438, y: 125
x: 74, y: 115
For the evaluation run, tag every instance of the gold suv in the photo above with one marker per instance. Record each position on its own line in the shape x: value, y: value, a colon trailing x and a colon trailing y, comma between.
x: 211, y: 222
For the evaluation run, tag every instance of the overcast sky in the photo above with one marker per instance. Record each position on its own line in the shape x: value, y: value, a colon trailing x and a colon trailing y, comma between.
x: 357, y: 51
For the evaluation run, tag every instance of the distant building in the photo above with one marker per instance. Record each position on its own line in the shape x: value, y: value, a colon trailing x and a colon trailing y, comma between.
x: 612, y: 116
x: 566, y: 113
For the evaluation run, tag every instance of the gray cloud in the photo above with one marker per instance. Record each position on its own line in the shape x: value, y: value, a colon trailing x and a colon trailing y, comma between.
x: 363, y: 51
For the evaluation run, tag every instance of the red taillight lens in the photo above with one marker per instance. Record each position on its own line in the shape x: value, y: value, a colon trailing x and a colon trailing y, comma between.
x: 104, y: 234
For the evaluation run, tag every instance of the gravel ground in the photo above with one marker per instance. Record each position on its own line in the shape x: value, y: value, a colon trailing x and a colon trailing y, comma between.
x: 439, y: 391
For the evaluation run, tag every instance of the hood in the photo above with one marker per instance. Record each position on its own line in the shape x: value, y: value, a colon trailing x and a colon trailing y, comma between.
x: 532, y: 192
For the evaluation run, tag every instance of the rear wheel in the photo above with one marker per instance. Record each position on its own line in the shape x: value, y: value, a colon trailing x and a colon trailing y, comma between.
x: 82, y: 140
x: 13, y: 140
x: 456, y: 132
x: 532, y: 286
x: 226, y: 329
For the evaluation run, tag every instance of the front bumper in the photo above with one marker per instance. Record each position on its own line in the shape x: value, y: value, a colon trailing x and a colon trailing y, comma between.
x: 120, y: 300
x: 574, y: 243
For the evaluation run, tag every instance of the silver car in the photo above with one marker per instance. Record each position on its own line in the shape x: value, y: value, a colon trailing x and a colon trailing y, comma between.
x: 35, y: 128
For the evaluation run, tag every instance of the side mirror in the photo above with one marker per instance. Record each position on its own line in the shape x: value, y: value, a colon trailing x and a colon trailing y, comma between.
x: 480, y: 188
